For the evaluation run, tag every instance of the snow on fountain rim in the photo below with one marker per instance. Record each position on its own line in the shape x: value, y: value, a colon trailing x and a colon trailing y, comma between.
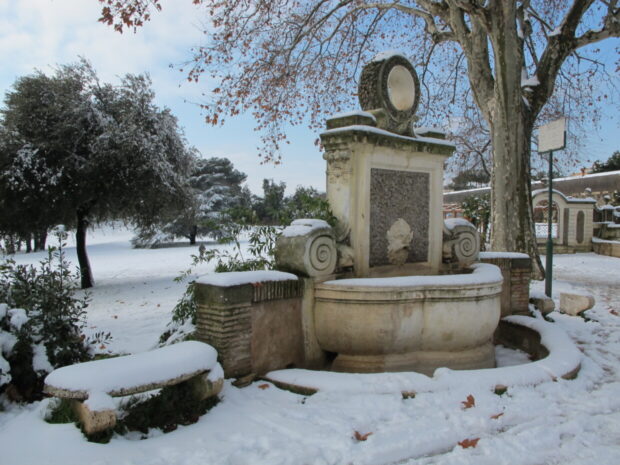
x: 564, y: 358
x: 483, y: 273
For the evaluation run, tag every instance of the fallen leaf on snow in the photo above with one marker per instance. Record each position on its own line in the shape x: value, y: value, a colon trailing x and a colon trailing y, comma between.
x: 263, y: 386
x: 495, y: 417
x: 466, y: 443
x: 469, y: 403
x: 361, y: 437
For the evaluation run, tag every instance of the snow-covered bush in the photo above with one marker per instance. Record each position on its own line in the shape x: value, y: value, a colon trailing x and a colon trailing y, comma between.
x: 150, y: 238
x: 41, y: 323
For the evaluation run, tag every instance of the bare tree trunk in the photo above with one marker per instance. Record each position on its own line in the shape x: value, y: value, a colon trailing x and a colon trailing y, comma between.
x: 86, y: 275
x: 40, y: 238
x: 193, y: 232
x: 10, y: 244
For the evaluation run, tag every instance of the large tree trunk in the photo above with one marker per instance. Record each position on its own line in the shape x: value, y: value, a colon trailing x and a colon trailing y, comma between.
x: 511, y: 196
x: 86, y: 275
x: 511, y: 123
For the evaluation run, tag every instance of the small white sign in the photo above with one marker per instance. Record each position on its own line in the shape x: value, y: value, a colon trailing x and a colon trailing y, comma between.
x: 551, y: 136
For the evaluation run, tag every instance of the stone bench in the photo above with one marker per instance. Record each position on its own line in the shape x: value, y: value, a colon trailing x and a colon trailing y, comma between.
x: 91, y: 385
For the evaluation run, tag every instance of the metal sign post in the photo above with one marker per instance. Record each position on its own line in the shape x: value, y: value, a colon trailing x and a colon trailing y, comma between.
x: 551, y: 136
x: 549, y: 253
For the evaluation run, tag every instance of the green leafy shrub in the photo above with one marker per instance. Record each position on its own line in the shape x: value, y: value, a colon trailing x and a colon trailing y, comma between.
x: 477, y: 209
x: 41, y: 322
x: 259, y: 256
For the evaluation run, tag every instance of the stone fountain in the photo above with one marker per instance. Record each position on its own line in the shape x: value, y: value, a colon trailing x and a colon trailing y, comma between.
x: 392, y: 286
x: 392, y: 306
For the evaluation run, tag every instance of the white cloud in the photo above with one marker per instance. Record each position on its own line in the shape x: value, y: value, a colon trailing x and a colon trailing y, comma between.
x: 44, y: 33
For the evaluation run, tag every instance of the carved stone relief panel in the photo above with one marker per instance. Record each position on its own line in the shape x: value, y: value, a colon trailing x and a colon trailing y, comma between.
x: 398, y: 198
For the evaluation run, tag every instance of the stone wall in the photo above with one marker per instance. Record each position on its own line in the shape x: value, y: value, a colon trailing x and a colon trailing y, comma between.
x: 516, y: 270
x: 255, y: 327
x: 603, y: 247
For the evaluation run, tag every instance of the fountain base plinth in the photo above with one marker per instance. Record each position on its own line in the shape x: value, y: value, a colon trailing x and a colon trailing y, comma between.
x: 425, y: 362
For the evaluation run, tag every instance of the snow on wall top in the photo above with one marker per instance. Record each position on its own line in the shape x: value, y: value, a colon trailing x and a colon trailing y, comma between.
x: 484, y: 273
x: 132, y: 371
x: 503, y: 255
x: 383, y: 132
x: 236, y: 278
x: 304, y: 226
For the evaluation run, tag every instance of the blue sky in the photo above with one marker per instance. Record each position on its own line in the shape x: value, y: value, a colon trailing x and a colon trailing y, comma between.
x: 43, y: 33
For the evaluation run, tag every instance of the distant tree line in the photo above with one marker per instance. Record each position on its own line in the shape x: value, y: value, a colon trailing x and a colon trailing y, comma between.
x: 612, y: 164
x: 221, y: 203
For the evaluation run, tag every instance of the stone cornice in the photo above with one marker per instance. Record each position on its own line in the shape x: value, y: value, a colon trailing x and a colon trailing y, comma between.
x: 335, y: 139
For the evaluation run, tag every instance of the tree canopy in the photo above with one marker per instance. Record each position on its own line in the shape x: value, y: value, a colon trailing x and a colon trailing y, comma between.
x: 75, y: 150
x: 513, y: 63
x: 214, y: 190
x: 612, y: 164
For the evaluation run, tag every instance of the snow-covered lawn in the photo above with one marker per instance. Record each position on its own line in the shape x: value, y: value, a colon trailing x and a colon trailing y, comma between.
x: 563, y: 422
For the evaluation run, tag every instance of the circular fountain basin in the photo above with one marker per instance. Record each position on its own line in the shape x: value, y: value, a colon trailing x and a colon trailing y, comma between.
x: 410, y: 323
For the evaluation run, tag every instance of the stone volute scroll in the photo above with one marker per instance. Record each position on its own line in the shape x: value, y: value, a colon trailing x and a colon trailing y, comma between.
x: 307, y: 247
x: 461, y: 242
x: 389, y: 89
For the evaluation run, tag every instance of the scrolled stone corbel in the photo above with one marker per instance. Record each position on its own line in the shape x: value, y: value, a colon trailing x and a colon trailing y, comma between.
x: 461, y: 242
x: 307, y: 247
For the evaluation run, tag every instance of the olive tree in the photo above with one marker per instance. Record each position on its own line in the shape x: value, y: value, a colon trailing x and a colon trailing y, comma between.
x: 77, y: 151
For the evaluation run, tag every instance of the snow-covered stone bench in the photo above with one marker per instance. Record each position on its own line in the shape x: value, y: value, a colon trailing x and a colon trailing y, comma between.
x: 92, y: 385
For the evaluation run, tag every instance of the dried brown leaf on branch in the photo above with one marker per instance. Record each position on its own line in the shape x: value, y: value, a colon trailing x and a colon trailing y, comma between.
x: 469, y: 403
x: 361, y: 437
x: 467, y: 443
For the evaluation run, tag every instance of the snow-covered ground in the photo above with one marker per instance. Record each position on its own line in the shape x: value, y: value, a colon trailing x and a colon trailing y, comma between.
x: 563, y: 422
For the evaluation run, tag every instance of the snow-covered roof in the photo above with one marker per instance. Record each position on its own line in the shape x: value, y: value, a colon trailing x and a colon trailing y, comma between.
x: 566, y: 198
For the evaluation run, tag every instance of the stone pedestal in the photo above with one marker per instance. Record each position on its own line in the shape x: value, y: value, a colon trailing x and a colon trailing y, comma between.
x: 255, y: 326
x: 516, y: 270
